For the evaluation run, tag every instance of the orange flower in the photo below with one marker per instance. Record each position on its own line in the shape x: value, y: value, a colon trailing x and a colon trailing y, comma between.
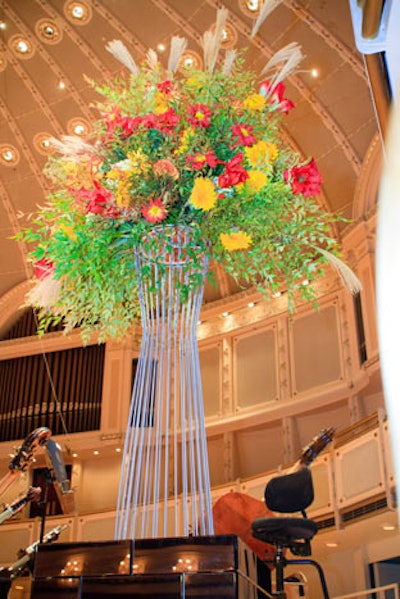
x: 165, y: 167
x: 236, y: 240
x: 155, y: 211
x: 204, y: 195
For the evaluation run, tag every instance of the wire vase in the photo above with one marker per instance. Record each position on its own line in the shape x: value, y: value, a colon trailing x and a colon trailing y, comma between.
x: 165, y: 486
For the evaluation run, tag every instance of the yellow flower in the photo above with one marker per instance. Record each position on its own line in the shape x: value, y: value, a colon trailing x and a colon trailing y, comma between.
x: 122, y: 196
x: 254, y: 102
x: 204, y: 195
x: 256, y: 181
x: 262, y: 153
x: 138, y: 162
x: 160, y: 103
x: 185, y: 141
x: 193, y: 82
x: 114, y: 174
x: 68, y: 230
x: 236, y: 240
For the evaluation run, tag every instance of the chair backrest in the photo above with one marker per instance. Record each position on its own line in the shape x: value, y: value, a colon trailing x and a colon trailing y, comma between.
x: 290, y: 492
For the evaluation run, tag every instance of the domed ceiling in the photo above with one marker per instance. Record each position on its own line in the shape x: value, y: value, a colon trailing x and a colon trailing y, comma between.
x: 48, y: 49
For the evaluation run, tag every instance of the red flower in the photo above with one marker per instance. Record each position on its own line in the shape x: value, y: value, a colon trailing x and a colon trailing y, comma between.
x: 155, y: 211
x: 275, y: 96
x: 113, y: 120
x: 129, y: 125
x: 234, y: 172
x: 43, y: 268
x: 167, y: 120
x: 198, y: 161
x: 165, y: 87
x: 305, y: 179
x: 244, y: 134
x: 199, y: 115
x: 150, y: 121
x: 98, y: 200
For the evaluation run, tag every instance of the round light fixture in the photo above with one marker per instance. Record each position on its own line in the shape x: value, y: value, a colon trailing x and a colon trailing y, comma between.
x: 48, y: 31
x: 78, y: 126
x: 21, y: 46
x: 9, y: 155
x: 3, y: 62
x: 229, y: 37
x: 78, y: 12
x: 190, y: 60
x: 42, y: 143
x: 251, y: 8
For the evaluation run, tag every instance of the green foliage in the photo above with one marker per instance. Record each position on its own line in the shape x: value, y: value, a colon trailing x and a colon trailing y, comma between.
x: 109, y: 194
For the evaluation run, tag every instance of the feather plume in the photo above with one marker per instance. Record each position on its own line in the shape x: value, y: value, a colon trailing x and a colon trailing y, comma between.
x: 152, y: 59
x: 267, y: 7
x: 45, y: 293
x: 121, y: 53
x: 208, y: 41
x: 283, y: 63
x: 230, y: 57
x: 71, y: 146
x: 212, y: 41
x: 177, y: 48
x: 347, y: 276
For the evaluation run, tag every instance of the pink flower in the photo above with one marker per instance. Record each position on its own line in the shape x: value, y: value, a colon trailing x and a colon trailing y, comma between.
x: 244, y: 134
x: 165, y: 167
x: 199, y: 115
x: 234, y: 172
x: 275, y: 96
x: 43, y: 268
x: 305, y: 179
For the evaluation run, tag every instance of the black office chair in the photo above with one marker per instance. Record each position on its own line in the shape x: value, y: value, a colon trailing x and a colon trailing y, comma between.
x: 288, y: 494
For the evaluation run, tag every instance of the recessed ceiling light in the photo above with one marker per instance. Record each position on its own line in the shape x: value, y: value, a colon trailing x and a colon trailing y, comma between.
x: 42, y: 143
x: 79, y: 12
x: 251, y: 8
x: 118, y: 449
x: 61, y: 85
x: 9, y: 155
x: 253, y: 5
x: 225, y: 314
x: 78, y: 126
x: 96, y: 452
x: 251, y: 304
x: 332, y: 545
x: 229, y: 37
x: 21, y: 46
x: 161, y: 47
x: 48, y: 31
x: 314, y: 73
x: 388, y: 527
x: 74, y: 455
x: 3, y: 25
x: 191, y: 60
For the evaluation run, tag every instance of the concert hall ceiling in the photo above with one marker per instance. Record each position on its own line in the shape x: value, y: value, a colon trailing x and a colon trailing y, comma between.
x: 49, y: 49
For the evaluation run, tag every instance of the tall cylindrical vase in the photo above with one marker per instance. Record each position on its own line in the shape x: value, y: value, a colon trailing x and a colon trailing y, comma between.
x: 165, y: 487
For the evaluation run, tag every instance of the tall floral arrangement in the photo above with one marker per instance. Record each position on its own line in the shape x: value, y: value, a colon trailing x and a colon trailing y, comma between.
x: 178, y: 147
